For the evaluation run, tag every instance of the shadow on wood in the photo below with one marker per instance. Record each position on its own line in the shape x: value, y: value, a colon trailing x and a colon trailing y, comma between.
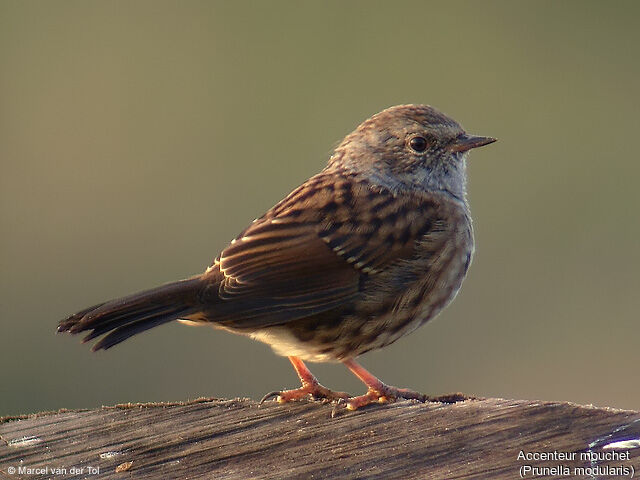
x: 237, y: 439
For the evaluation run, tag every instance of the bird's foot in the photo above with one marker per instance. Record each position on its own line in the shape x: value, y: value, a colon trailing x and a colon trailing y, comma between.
x: 383, y: 393
x: 310, y: 387
x: 377, y: 391
x: 314, y: 390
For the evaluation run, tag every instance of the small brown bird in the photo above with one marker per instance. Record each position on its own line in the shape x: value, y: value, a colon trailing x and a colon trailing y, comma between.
x: 362, y: 253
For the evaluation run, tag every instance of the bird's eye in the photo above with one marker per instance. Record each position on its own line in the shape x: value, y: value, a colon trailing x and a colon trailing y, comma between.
x: 418, y: 144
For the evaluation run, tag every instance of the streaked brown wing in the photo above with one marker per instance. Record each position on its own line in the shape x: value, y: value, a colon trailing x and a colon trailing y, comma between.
x: 310, y: 253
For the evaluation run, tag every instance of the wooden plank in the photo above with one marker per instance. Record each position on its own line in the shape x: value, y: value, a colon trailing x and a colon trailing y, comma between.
x: 237, y: 439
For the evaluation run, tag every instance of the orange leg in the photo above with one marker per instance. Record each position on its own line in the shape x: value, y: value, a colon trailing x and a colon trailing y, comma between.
x: 377, y: 392
x: 310, y: 387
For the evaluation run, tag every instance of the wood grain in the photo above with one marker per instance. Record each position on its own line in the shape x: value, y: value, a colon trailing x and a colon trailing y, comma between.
x: 237, y: 439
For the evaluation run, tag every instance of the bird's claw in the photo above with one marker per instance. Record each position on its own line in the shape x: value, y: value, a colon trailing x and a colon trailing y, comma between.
x: 269, y: 395
x: 313, y: 390
x: 384, y: 394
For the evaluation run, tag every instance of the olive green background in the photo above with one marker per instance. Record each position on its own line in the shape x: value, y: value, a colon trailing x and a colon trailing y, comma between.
x: 138, y: 137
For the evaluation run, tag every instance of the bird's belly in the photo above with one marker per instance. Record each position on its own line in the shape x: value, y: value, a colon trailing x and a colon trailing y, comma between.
x: 285, y: 342
x: 403, y: 299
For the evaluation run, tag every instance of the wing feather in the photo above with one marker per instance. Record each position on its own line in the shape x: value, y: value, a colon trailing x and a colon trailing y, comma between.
x: 312, y: 252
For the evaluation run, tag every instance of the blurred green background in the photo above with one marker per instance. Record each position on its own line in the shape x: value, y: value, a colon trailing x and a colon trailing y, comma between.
x: 138, y: 137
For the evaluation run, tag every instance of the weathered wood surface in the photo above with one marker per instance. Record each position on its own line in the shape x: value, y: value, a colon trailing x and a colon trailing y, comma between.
x: 237, y: 439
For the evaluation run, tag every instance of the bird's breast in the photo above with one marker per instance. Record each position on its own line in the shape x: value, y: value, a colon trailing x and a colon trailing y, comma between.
x: 415, y: 290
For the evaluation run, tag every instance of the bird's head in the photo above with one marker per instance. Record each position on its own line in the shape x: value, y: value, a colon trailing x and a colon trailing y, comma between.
x: 409, y: 147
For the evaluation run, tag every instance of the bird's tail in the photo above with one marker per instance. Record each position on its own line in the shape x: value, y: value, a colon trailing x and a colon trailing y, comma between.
x: 127, y: 316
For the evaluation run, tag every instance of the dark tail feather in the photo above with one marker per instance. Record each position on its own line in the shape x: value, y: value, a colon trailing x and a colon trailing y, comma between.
x: 125, y: 317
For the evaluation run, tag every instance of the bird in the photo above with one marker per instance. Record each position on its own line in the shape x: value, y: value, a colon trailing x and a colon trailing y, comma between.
x: 358, y: 256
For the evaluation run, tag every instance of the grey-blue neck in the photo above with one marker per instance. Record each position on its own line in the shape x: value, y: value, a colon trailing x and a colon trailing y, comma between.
x: 445, y: 173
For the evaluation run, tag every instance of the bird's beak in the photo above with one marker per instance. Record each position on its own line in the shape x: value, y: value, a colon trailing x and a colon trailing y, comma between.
x: 466, y: 142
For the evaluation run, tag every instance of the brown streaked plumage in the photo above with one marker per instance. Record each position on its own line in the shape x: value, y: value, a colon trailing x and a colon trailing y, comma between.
x: 361, y: 254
